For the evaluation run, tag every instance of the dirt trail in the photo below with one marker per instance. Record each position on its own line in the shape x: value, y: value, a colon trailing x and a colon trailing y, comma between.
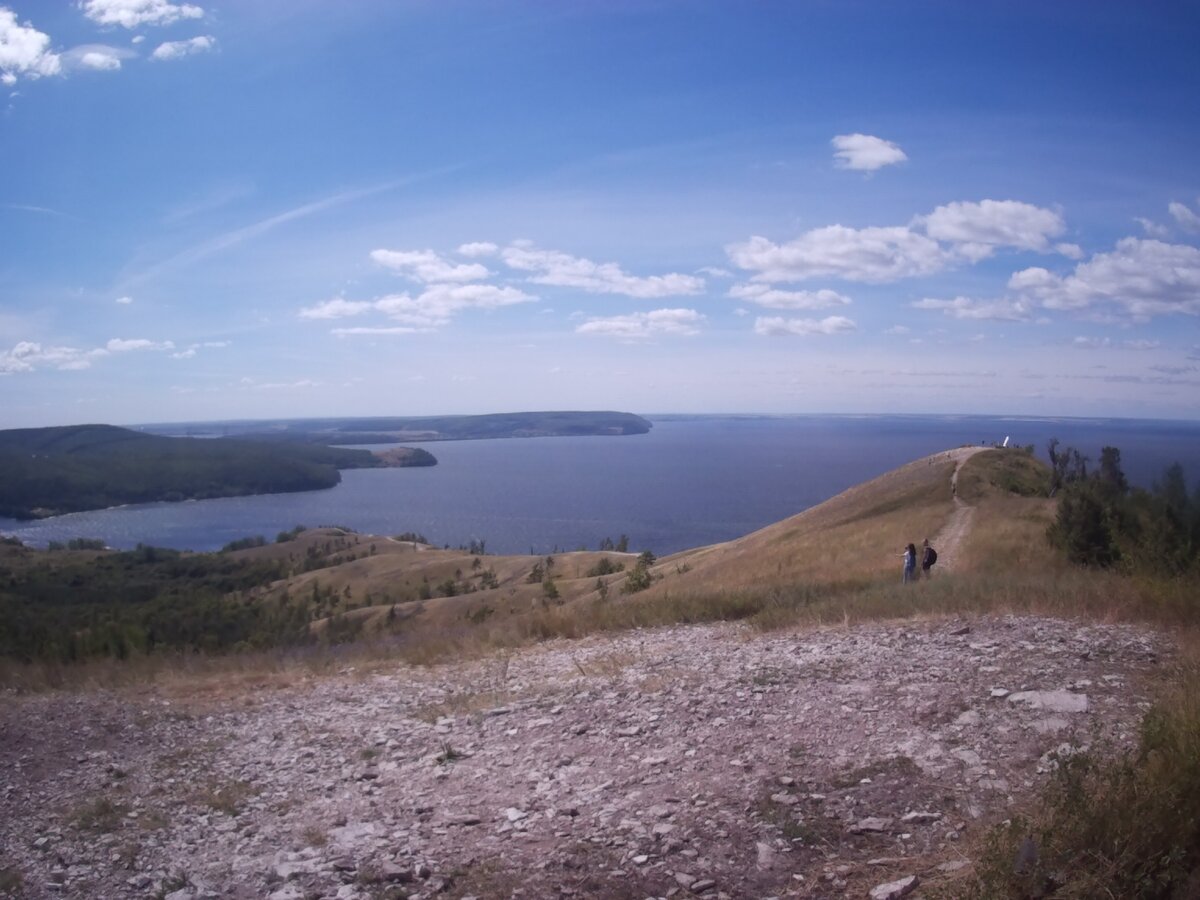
x: 950, y: 538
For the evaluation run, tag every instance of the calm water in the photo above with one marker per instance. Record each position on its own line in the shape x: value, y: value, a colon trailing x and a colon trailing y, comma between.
x: 689, y: 482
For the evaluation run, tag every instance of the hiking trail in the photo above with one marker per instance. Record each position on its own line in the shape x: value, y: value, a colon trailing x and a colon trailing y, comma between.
x: 950, y: 538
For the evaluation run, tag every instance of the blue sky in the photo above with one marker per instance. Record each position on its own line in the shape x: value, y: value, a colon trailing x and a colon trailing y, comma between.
x: 288, y: 208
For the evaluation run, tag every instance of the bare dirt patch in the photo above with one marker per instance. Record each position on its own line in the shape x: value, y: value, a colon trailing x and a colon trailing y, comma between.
x: 685, y: 761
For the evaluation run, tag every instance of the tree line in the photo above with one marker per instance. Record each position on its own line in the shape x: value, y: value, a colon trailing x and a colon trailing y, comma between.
x: 1103, y: 522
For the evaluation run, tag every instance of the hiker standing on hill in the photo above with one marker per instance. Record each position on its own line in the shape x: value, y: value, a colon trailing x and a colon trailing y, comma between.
x: 928, y: 558
x: 910, y: 563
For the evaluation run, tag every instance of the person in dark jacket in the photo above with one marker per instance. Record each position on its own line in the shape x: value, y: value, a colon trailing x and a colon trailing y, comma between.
x: 928, y: 558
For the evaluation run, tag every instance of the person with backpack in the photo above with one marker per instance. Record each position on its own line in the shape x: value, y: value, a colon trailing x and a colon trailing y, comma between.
x: 928, y: 558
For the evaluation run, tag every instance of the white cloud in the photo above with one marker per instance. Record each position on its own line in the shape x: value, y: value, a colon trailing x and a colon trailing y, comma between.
x: 553, y: 267
x: 120, y: 345
x: 776, y: 326
x: 134, y: 13
x: 1153, y: 229
x: 427, y: 266
x: 179, y: 49
x: 1141, y: 344
x: 854, y: 254
x: 302, y: 383
x: 396, y: 329
x: 478, y: 248
x: 1184, y: 216
x: 715, y: 272
x: 440, y: 302
x: 1140, y: 277
x: 898, y: 329
x: 26, y: 356
x: 373, y: 330
x: 1070, y: 251
x: 1091, y: 343
x: 644, y: 325
x: 865, y: 153
x: 124, y: 301
x: 1002, y: 310
x: 24, y: 51
x: 978, y: 228
x: 773, y: 298
x: 193, y: 349
x: 432, y: 308
x: 336, y: 309
x: 100, y: 60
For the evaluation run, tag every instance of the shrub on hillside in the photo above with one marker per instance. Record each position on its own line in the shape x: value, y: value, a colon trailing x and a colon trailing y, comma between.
x: 1123, y: 827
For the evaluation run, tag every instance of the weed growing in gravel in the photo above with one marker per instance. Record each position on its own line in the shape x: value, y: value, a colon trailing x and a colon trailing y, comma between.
x: 314, y: 836
x: 448, y: 754
x: 366, y: 754
x: 11, y: 882
x: 100, y: 815
x: 226, y: 798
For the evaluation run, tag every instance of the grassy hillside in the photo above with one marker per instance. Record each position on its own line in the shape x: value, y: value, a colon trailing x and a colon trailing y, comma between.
x: 47, y: 471
x: 985, y: 511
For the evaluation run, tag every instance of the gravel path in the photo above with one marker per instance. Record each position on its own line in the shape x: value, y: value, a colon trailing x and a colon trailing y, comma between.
x: 705, y: 761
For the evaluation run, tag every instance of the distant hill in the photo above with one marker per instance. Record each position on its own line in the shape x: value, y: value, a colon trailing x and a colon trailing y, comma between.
x: 48, y: 471
x: 423, y: 428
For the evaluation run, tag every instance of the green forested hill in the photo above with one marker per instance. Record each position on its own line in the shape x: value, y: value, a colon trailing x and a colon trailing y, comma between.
x: 46, y: 471
x: 384, y: 430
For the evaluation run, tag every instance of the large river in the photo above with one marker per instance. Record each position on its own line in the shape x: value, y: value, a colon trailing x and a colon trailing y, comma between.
x: 689, y: 482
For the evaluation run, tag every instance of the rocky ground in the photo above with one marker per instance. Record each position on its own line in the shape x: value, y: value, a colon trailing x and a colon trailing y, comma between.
x: 687, y: 761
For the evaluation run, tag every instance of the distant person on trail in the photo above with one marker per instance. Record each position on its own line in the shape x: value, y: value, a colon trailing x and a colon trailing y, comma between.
x: 928, y: 558
x: 910, y: 563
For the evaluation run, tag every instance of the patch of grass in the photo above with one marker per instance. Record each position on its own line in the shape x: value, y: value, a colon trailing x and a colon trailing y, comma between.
x: 12, y: 883
x: 100, y: 814
x: 154, y: 820
x: 314, y: 836
x: 1121, y: 826
x: 901, y: 767
x: 366, y: 754
x: 1010, y: 471
x: 448, y: 754
x: 793, y: 823
x: 227, y: 798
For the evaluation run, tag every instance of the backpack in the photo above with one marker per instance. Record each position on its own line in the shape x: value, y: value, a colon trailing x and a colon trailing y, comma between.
x: 930, y: 557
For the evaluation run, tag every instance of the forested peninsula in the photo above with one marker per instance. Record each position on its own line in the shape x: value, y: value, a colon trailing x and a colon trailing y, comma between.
x: 50, y: 471
x: 388, y: 430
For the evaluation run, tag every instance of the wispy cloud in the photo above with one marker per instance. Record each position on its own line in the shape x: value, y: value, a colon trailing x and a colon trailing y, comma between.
x: 28, y: 356
x: 1187, y: 219
x: 777, y: 326
x: 1001, y: 310
x: 559, y: 269
x: 641, y: 326
x: 171, y: 50
x: 774, y: 298
x: 865, y: 152
x: 257, y: 229
x: 40, y: 210
x: 427, y: 266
